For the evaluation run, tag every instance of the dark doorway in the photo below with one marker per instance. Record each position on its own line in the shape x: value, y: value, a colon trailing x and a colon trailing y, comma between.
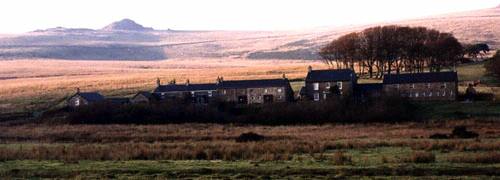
x: 268, y: 98
x: 242, y: 100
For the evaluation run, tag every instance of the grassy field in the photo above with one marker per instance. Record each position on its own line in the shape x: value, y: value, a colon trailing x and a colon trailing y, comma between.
x: 211, y: 151
x: 31, y: 85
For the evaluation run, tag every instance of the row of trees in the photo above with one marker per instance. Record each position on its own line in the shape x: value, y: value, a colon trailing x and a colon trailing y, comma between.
x: 392, y: 49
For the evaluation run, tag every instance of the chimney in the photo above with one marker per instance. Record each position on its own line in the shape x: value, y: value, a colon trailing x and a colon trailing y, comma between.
x: 309, y: 69
x: 158, y: 82
x: 172, y: 82
x: 77, y: 90
x: 187, y: 82
x: 220, y: 80
x: 284, y: 76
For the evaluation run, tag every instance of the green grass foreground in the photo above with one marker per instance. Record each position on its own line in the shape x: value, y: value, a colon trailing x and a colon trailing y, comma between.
x: 381, y: 162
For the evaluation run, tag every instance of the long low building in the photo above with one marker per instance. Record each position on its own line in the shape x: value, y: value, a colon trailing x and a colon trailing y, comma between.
x: 319, y: 85
x: 431, y: 86
x: 255, y: 91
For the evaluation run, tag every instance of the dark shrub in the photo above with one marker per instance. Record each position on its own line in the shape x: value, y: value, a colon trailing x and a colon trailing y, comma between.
x: 250, y: 136
x: 461, y: 132
x: 439, y: 136
x: 421, y: 157
x: 340, y: 158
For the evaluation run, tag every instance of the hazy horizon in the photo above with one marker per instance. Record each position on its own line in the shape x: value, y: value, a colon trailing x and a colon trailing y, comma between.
x: 220, y: 15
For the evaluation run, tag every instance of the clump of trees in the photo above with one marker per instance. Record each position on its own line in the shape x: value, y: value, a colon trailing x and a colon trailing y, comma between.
x: 493, y: 65
x: 474, y: 50
x: 390, y: 49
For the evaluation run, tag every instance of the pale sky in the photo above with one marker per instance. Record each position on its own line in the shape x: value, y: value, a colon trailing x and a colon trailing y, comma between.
x: 18, y: 16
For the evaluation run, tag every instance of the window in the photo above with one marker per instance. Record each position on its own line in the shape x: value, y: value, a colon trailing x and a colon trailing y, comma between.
x: 316, y: 86
x: 397, y: 86
x: 324, y: 95
x: 224, y: 92
x: 451, y: 93
x: 443, y: 86
x: 428, y: 85
x: 210, y: 93
x: 265, y: 90
x: 316, y: 96
x: 328, y: 85
x: 416, y: 95
x: 412, y: 86
x: 77, y: 102
x: 279, y: 90
x: 339, y: 84
x: 279, y: 97
x: 430, y: 94
x: 444, y: 93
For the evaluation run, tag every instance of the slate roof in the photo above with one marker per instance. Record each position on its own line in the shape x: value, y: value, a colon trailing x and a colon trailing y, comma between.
x: 190, y: 87
x: 145, y: 94
x: 420, y: 78
x: 254, y: 83
x: 91, y: 96
x: 330, y: 75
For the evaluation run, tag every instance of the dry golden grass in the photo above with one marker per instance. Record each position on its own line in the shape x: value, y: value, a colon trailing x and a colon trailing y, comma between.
x: 34, y: 84
x: 219, y: 142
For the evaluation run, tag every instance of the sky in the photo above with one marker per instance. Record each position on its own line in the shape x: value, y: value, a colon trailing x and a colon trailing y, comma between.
x: 17, y: 16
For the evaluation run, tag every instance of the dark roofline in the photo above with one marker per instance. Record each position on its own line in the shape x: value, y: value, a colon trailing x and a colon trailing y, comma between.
x: 84, y: 96
x: 185, y: 87
x: 327, y: 75
x: 255, y: 83
x: 426, y: 77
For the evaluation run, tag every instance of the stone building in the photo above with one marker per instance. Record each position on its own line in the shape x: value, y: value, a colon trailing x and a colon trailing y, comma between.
x: 321, y: 84
x: 195, y: 93
x: 255, y: 91
x: 432, y: 86
x: 84, y: 98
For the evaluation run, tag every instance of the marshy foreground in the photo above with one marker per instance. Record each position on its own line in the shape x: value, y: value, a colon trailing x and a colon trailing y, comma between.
x: 403, y: 150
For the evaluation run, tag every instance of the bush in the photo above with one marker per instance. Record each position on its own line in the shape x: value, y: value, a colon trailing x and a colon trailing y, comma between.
x: 493, y: 64
x: 439, y: 136
x: 250, y: 136
x: 486, y: 158
x: 461, y: 132
x: 421, y: 157
x: 339, y: 158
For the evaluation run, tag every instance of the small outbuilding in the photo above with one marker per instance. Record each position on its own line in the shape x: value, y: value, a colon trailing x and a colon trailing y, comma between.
x: 84, y: 98
x: 142, y: 97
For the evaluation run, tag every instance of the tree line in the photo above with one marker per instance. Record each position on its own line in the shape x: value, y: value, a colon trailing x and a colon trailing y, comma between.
x: 394, y: 49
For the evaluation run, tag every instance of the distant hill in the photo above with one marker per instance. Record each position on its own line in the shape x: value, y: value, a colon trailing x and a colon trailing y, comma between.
x: 126, y: 25
x: 128, y: 40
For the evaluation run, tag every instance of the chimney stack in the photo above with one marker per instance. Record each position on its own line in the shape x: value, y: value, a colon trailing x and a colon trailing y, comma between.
x: 309, y: 69
x: 77, y: 90
x: 284, y: 76
x: 158, y: 82
x: 187, y: 82
x: 172, y: 82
